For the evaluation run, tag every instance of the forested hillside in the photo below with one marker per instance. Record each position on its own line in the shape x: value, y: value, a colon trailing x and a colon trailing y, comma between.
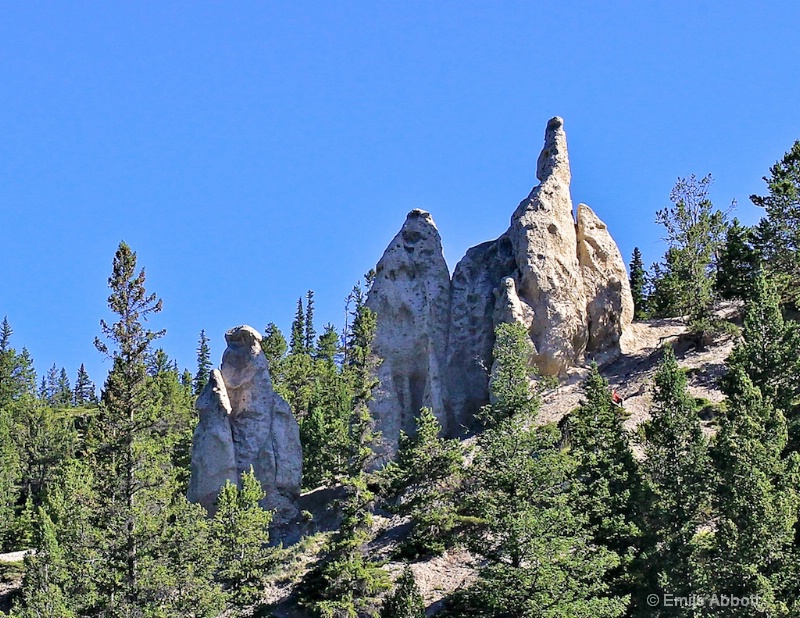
x: 691, y: 510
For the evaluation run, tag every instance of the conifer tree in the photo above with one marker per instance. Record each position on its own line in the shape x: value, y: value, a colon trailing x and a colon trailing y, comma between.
x: 84, y: 392
x: 675, y: 471
x: 638, y: 281
x: 274, y: 346
x: 769, y: 352
x: 406, y: 600
x: 63, y: 396
x: 241, y: 527
x: 130, y: 457
x: 610, y: 489
x: 297, y: 343
x: 9, y: 479
x: 5, y: 335
x: 50, y: 388
x: 203, y: 363
x: 778, y: 234
x: 738, y: 262
x: 755, y: 504
x: 309, y: 334
x: 328, y: 345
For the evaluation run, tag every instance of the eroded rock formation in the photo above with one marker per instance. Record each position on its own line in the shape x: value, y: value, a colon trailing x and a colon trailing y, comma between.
x: 411, y: 296
x: 565, y: 281
x: 244, y: 423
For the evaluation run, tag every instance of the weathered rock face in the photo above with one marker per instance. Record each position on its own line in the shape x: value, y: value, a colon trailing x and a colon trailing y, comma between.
x: 542, y: 233
x: 244, y: 423
x: 605, y: 284
x: 471, y: 336
x: 411, y: 296
x: 567, y: 284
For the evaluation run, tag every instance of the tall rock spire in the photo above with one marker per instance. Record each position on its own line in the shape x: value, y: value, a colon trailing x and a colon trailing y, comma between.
x: 411, y: 297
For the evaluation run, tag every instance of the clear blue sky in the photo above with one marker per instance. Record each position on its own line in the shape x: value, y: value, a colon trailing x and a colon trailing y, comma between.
x: 250, y: 151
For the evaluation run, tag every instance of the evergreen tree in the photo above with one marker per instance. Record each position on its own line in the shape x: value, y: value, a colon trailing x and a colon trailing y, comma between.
x: 511, y: 383
x: 309, y: 334
x: 778, y: 234
x: 328, y: 345
x: 274, y: 346
x: 241, y: 528
x: 694, y: 235
x: 297, y: 344
x: 770, y: 351
x: 10, y: 474
x: 63, y: 396
x: 424, y: 479
x: 756, y: 504
x: 540, y: 558
x: 675, y: 469
x: 406, y: 600
x: 738, y: 262
x: 50, y: 388
x: 132, y: 460
x: 5, y: 335
x: 638, y: 281
x: 610, y: 487
x: 203, y: 363
x: 84, y: 392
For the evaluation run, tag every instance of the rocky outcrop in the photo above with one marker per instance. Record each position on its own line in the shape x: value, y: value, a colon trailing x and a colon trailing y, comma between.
x: 411, y: 297
x: 244, y: 423
x: 542, y: 233
x: 605, y: 284
x: 471, y: 335
x: 565, y: 282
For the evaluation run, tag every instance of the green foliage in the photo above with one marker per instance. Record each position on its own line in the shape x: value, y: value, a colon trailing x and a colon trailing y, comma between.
x: 424, y: 479
x: 770, y: 350
x: 638, y: 282
x: 241, y: 527
x: 755, y: 504
x: 274, y: 346
x: 610, y: 487
x: 203, y: 363
x: 676, y: 475
x: 309, y: 334
x: 684, y: 282
x: 778, y: 234
x: 738, y: 263
x: 406, y: 600
x: 84, y: 391
x: 511, y: 387
x: 297, y: 342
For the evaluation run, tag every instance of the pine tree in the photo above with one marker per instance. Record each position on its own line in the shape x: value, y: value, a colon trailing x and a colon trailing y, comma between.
x: 241, y: 527
x: 63, y: 396
x: 129, y: 455
x: 84, y: 392
x: 274, y: 346
x: 694, y: 234
x: 50, y: 390
x: 638, y: 281
x: 309, y: 334
x: 328, y: 345
x: 10, y: 474
x: 770, y: 351
x: 675, y: 471
x: 5, y: 335
x: 778, y: 234
x: 406, y: 600
x: 738, y: 262
x: 203, y: 363
x: 511, y: 384
x: 297, y: 343
x: 755, y: 505
x: 610, y: 488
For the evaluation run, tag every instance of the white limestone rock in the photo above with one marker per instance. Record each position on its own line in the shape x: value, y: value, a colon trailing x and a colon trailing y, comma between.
x: 543, y: 235
x: 411, y: 297
x: 606, y: 285
x: 263, y: 430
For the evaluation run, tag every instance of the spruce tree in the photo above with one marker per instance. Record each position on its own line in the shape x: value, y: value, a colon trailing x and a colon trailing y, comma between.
x: 63, y: 396
x: 10, y: 474
x: 755, y: 504
x: 309, y: 334
x: 132, y: 460
x: 84, y: 392
x: 610, y: 488
x: 297, y: 343
x: 406, y: 600
x: 769, y: 352
x: 778, y: 234
x: 203, y: 363
x: 274, y: 346
x: 675, y: 469
x: 328, y: 345
x: 738, y: 263
x: 5, y: 335
x: 638, y: 281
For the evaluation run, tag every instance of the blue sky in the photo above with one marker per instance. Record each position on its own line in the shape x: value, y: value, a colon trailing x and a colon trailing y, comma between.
x: 251, y: 151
